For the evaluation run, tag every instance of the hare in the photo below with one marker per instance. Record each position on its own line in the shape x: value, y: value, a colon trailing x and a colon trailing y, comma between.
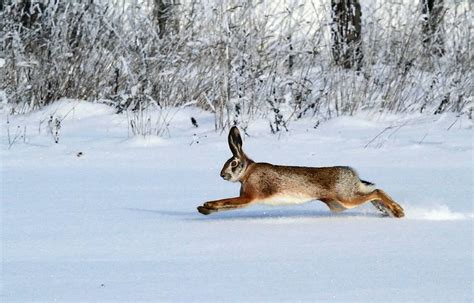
x: 339, y: 186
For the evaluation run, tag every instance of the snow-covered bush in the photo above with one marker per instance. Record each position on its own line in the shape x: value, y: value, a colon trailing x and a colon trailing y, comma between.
x: 239, y: 59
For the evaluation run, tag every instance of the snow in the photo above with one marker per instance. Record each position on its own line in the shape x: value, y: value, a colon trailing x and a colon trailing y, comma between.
x: 119, y: 222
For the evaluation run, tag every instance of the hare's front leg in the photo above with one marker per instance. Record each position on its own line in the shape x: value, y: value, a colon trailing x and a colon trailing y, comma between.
x: 224, y: 204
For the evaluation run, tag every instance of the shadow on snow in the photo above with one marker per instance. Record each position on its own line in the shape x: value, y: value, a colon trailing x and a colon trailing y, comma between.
x: 255, y: 214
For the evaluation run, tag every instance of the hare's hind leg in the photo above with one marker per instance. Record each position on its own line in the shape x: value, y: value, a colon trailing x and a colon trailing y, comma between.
x: 388, y: 203
x: 223, y: 204
x: 377, y: 195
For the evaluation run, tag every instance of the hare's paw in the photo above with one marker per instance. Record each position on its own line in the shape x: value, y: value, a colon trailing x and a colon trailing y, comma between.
x: 393, y: 209
x: 397, y: 210
x: 205, y: 211
x: 210, y: 207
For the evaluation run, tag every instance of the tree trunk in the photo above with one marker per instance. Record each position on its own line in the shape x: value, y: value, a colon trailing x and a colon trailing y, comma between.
x: 346, y: 33
x: 433, y: 36
x: 164, y: 15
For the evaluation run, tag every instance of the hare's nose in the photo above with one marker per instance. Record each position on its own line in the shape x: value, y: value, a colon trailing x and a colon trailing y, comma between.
x: 222, y: 174
x: 225, y: 176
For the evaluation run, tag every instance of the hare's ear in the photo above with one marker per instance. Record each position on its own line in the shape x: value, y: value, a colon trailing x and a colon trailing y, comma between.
x: 235, y: 142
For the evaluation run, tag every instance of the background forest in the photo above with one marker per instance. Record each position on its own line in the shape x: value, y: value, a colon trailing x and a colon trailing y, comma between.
x: 241, y: 60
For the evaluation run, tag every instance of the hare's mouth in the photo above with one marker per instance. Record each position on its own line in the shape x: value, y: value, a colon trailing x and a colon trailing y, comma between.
x: 226, y: 177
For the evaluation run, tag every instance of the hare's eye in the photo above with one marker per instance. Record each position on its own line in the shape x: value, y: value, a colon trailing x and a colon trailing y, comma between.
x: 233, y: 163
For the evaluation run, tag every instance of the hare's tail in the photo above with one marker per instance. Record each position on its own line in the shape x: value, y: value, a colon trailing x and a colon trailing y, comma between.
x: 367, y: 183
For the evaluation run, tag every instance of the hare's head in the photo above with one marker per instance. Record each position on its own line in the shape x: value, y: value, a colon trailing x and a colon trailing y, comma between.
x: 235, y: 167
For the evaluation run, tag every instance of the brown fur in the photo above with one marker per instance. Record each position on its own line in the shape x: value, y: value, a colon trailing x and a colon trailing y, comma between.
x: 339, y: 187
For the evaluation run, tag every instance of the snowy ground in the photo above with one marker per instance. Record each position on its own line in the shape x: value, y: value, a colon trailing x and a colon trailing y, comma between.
x: 119, y: 223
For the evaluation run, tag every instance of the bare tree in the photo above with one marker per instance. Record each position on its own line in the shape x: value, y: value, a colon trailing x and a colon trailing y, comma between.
x: 346, y: 33
x: 433, y: 35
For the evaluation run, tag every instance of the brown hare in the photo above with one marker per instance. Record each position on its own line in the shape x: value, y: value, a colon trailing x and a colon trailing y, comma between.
x: 339, y: 187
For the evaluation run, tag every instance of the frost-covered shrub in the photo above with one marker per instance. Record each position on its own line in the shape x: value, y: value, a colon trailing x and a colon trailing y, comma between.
x: 239, y: 59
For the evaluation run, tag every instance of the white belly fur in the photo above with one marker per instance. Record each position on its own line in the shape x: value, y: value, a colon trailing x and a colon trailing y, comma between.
x: 286, y: 199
